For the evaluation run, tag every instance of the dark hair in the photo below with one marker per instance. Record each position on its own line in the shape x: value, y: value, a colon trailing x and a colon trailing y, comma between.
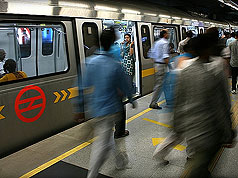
x: 162, y: 33
x: 107, y: 38
x: 10, y: 66
x: 127, y: 34
x: 189, y: 34
x: 233, y: 34
x: 213, y: 32
x: 226, y: 33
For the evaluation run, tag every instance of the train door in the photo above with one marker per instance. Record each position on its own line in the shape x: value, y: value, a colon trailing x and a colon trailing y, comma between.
x: 183, y: 32
x: 147, y: 68
x: 122, y: 28
x: 88, y: 31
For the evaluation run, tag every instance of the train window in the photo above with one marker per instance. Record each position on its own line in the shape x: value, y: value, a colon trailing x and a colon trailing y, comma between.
x: 22, y: 45
x: 47, y: 41
x: 201, y: 31
x: 146, y: 44
x: 24, y: 41
x: 183, y: 33
x: 90, y: 38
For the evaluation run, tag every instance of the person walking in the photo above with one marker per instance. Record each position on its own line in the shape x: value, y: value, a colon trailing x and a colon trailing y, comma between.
x: 189, y: 35
x: 102, y: 81
x: 160, y: 54
x: 233, y: 46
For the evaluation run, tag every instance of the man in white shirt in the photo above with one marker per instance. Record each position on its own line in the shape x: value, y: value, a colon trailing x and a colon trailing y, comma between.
x: 2, y: 59
x: 182, y: 43
x: 231, y: 39
x: 160, y: 54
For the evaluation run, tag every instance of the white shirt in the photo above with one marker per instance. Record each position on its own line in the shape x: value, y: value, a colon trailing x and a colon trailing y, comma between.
x: 160, y: 51
x: 182, y: 44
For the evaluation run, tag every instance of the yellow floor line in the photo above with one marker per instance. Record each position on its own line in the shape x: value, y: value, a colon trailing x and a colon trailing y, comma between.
x: 158, y: 123
x: 57, y: 159
x: 78, y: 148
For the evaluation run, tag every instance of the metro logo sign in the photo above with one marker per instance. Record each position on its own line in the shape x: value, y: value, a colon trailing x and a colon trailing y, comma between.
x: 31, y: 106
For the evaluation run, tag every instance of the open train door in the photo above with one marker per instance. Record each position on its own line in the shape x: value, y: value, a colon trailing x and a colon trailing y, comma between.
x: 147, y: 68
x: 88, y: 32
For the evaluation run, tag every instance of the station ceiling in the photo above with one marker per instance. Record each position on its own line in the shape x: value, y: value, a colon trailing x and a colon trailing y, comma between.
x: 212, y: 9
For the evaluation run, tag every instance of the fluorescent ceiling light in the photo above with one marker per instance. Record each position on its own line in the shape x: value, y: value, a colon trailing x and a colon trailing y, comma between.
x: 194, y: 20
x: 72, y: 4
x: 185, y: 19
x: 130, y: 11
x: 164, y: 16
x: 151, y: 14
x: 176, y: 18
x: 106, y: 8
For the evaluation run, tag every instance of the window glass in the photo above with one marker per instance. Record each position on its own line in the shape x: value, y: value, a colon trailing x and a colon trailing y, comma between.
x: 90, y: 38
x: 47, y: 41
x: 183, y: 33
x: 24, y: 40
x: 146, y: 44
x: 20, y: 47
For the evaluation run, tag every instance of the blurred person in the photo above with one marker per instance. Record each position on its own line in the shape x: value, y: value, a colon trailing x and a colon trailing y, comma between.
x: 10, y: 72
x: 120, y: 127
x: 233, y: 46
x: 102, y: 82
x: 189, y: 35
x: 175, y: 65
x: 2, y: 60
x: 231, y: 39
x: 225, y: 38
x: 204, y: 121
x: 160, y: 54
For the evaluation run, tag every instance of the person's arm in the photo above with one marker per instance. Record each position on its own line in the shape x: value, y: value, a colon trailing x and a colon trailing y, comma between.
x: 132, y: 48
x: 4, y: 78
x: 166, y: 53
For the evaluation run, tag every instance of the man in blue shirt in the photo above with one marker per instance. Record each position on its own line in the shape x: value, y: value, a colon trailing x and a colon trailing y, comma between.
x: 160, y: 54
x: 104, y: 83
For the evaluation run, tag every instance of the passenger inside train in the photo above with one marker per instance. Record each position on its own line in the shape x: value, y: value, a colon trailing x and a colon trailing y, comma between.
x: 2, y: 59
x: 11, y: 73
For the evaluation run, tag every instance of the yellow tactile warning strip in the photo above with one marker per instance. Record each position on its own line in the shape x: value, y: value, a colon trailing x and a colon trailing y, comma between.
x: 158, y: 123
x: 157, y: 141
x: 148, y: 72
x: 78, y: 148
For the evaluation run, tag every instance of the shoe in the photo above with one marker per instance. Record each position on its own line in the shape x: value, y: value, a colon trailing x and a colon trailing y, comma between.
x: 126, y: 133
x: 122, y: 161
x: 155, y: 106
x: 233, y: 92
x: 160, y: 160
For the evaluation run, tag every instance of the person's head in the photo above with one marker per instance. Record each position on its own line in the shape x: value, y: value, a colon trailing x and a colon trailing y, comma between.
x: 127, y: 37
x: 10, y: 66
x: 203, y: 45
x: 164, y: 34
x: 236, y: 35
x: 189, y: 34
x: 214, y: 32
x: 227, y: 34
x: 233, y: 34
x: 107, y: 38
x: 2, y: 55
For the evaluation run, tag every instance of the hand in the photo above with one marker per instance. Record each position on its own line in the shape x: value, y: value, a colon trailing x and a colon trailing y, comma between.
x: 79, y: 117
x: 134, y: 104
x: 132, y: 43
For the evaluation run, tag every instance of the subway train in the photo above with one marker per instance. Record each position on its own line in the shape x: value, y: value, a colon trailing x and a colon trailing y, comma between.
x: 50, y: 40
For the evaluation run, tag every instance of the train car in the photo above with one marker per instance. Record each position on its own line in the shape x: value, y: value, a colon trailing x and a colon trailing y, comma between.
x: 50, y: 41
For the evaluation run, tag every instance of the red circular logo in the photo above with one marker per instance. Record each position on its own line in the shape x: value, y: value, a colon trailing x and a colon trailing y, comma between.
x: 31, y: 101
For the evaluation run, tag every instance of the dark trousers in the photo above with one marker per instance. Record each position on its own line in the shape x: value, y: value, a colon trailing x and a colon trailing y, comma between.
x: 234, y: 73
x: 198, y: 165
x: 120, y: 126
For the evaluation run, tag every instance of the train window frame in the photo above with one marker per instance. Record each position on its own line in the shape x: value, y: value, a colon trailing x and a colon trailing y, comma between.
x: 184, y: 31
x: 52, y: 44
x: 148, y: 37
x: 39, y: 23
x: 98, y: 37
x: 29, y: 45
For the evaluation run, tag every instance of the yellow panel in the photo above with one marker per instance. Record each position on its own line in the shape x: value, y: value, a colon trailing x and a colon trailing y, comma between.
x: 148, y: 72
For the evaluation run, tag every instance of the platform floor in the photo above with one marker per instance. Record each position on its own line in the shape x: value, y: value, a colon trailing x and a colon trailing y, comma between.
x: 147, y: 129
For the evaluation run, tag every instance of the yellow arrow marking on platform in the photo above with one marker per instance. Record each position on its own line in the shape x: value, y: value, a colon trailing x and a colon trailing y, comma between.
x: 65, y: 94
x: 158, y: 123
x: 157, y: 141
x: 57, y: 97
x: 1, y: 116
x: 73, y: 92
